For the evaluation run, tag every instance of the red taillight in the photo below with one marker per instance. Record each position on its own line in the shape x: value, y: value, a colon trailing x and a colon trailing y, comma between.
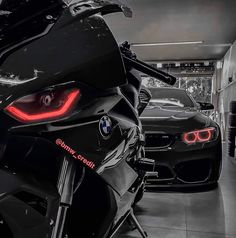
x: 48, y: 105
x: 203, y: 135
x: 190, y: 138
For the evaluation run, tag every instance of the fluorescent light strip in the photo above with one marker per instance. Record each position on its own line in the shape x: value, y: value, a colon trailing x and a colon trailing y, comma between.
x: 167, y: 43
x: 218, y: 45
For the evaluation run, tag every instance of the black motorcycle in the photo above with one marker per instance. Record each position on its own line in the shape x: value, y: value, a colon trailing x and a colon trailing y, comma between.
x: 71, y: 142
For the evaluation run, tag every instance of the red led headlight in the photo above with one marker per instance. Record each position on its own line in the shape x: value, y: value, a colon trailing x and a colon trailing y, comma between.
x: 203, y: 135
x: 43, y: 106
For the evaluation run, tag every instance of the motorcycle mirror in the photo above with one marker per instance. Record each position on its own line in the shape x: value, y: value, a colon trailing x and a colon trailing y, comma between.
x: 90, y: 7
x: 204, y: 106
x: 131, y: 61
x: 146, y: 165
x: 144, y: 98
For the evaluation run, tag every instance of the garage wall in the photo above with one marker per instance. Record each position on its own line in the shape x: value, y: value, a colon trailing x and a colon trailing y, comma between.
x: 227, y: 85
x: 228, y: 79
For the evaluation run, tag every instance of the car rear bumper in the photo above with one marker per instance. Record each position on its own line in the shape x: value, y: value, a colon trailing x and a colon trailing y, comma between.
x: 186, y: 167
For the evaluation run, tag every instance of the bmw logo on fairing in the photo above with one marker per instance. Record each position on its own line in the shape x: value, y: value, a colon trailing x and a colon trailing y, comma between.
x: 105, y: 126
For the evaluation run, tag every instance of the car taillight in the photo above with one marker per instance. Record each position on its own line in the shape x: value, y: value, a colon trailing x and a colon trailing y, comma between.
x: 203, y: 135
x: 43, y: 106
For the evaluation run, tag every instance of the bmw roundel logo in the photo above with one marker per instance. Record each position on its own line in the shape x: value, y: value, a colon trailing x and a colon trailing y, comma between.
x: 105, y: 126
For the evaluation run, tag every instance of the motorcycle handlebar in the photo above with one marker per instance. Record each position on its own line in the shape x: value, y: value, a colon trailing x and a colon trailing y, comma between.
x: 131, y: 61
x: 149, y: 70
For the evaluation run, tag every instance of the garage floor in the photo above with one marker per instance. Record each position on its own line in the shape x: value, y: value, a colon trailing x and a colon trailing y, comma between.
x: 209, y: 214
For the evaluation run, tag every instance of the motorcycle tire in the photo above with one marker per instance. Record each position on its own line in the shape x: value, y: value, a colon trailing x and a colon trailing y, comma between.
x: 233, y: 107
x: 232, y: 120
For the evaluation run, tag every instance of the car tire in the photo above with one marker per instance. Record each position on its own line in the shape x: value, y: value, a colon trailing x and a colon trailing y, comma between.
x: 233, y: 107
x: 231, y: 138
x: 231, y: 134
x: 218, y: 165
x: 232, y: 130
x: 231, y: 149
x: 232, y: 120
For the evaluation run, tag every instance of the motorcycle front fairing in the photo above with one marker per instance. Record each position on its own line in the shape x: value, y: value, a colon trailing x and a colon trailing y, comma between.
x: 45, y: 49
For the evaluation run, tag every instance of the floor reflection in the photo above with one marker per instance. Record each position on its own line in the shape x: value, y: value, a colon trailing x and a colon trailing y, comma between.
x: 198, y: 214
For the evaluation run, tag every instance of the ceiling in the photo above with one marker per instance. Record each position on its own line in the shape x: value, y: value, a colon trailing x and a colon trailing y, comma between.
x: 156, y: 21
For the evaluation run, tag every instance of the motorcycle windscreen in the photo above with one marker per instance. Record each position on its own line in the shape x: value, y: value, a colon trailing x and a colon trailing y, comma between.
x: 11, y: 11
x: 56, y: 46
x: 16, y: 16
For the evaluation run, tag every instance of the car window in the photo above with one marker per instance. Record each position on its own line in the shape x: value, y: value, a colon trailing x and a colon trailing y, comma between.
x: 170, y: 98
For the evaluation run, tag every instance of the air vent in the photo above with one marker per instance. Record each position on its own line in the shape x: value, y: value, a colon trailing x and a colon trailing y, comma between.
x: 195, y: 171
x: 155, y: 140
x: 4, y: 228
x: 37, y: 203
x: 144, y: 97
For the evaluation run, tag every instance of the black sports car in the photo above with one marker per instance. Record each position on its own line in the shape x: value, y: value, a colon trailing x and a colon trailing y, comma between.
x: 185, y: 143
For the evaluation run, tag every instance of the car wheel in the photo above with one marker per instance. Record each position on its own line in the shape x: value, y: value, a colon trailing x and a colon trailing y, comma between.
x: 219, y: 172
x: 233, y: 107
x: 232, y: 120
x: 218, y: 166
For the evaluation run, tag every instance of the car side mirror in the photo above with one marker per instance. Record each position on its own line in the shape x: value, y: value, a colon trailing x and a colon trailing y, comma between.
x: 144, y: 98
x: 204, y: 106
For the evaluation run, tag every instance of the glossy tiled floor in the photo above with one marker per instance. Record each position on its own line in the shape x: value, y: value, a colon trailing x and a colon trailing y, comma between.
x: 209, y: 214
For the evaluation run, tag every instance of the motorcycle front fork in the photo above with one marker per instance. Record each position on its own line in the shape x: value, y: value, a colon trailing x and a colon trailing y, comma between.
x: 65, y: 188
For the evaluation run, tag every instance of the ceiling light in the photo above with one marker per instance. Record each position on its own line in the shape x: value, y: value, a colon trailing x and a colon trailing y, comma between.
x: 177, y: 64
x: 167, y: 43
x: 218, y: 45
x: 159, y: 65
x: 219, y: 65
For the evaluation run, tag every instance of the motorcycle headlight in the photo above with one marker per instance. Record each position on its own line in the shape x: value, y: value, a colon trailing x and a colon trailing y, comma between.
x: 200, y: 136
x: 47, y: 105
